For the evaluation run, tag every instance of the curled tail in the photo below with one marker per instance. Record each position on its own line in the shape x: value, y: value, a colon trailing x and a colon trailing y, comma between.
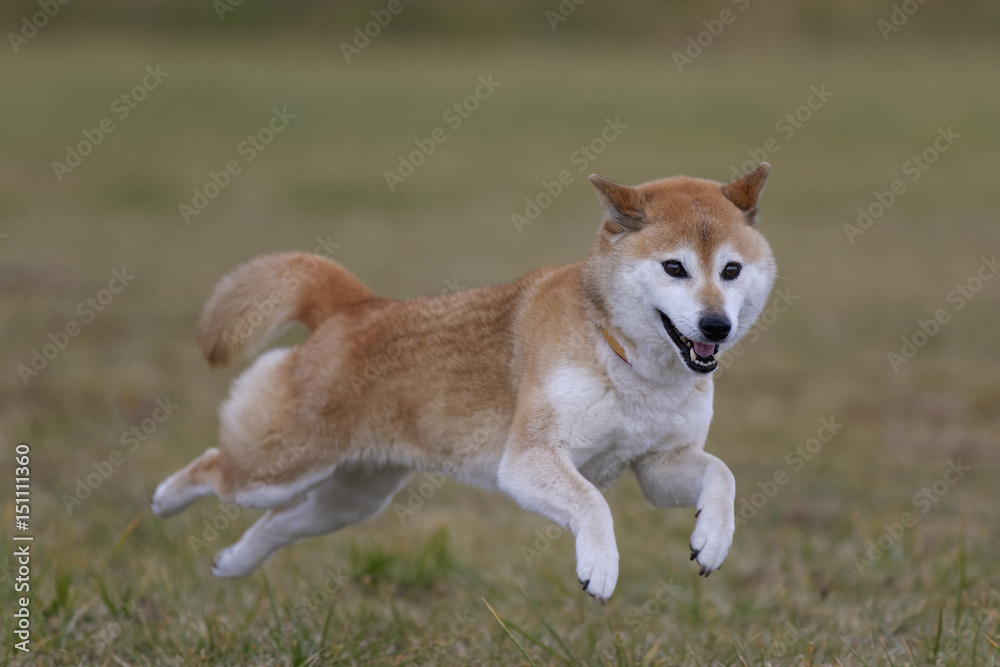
x: 255, y: 302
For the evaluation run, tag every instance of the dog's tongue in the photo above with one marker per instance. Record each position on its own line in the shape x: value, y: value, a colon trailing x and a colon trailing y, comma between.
x: 704, y: 350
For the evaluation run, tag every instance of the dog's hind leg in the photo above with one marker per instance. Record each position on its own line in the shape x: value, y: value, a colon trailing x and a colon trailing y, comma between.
x: 346, y: 497
x: 262, y: 460
x: 200, y: 478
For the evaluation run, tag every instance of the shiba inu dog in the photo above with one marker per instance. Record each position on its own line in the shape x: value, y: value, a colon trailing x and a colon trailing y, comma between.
x: 568, y: 377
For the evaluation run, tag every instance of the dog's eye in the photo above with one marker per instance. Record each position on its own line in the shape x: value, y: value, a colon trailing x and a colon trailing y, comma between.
x: 674, y: 268
x: 731, y: 271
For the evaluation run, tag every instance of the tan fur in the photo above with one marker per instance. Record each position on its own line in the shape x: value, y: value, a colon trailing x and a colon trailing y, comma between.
x: 249, y: 303
x: 404, y: 385
x: 350, y: 389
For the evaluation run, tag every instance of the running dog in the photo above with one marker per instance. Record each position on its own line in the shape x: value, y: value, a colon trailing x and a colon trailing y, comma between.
x: 568, y: 377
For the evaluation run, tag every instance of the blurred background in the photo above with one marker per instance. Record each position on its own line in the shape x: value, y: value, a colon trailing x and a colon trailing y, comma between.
x: 148, y: 148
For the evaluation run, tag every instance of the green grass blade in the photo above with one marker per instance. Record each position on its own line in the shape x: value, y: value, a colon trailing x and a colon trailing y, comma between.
x: 937, y: 638
x: 509, y: 633
x: 555, y: 635
x: 326, y: 627
x: 853, y: 652
x: 881, y: 640
x: 961, y: 587
x: 537, y: 642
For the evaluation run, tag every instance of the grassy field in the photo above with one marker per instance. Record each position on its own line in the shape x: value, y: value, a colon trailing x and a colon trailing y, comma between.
x: 823, y: 569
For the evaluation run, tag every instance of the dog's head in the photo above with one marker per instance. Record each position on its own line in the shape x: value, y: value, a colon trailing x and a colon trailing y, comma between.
x: 679, y: 267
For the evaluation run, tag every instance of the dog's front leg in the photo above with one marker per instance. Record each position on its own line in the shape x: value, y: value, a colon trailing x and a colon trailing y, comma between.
x: 686, y: 477
x: 541, y: 478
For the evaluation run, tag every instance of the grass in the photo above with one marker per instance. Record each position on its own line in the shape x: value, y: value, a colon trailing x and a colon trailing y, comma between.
x: 469, y: 577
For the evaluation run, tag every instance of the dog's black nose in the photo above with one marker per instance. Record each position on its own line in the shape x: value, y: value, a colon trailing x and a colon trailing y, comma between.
x: 715, y: 327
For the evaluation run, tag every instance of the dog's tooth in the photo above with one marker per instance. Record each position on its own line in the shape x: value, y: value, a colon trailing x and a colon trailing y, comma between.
x: 694, y: 357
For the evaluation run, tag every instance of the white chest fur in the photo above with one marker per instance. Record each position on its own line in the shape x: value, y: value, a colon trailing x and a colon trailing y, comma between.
x: 606, y: 426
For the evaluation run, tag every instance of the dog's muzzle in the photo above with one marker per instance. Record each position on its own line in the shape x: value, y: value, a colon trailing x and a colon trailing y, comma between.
x: 699, y: 357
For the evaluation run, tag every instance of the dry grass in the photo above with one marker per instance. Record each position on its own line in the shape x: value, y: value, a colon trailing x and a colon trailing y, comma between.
x: 451, y: 585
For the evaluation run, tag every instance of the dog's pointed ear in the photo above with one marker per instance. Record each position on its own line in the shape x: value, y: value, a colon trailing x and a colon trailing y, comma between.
x: 623, y: 206
x: 745, y: 190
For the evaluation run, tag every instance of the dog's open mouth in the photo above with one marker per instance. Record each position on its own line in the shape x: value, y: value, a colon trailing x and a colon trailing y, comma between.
x: 700, y: 357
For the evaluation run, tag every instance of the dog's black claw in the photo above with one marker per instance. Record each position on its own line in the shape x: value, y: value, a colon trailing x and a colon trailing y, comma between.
x: 694, y: 554
x: 697, y: 514
x: 707, y: 574
x: 701, y: 573
x: 585, y: 584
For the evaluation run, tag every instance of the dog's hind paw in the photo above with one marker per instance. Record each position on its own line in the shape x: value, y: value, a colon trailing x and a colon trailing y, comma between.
x: 163, y: 502
x: 230, y: 563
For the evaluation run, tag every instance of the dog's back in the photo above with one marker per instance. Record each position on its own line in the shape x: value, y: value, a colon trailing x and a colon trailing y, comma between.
x: 430, y: 382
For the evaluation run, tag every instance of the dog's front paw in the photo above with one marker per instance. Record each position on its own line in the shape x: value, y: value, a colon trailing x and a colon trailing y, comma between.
x: 597, y: 568
x: 711, y: 539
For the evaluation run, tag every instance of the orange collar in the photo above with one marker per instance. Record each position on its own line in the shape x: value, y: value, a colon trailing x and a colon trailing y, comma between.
x: 615, y: 345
